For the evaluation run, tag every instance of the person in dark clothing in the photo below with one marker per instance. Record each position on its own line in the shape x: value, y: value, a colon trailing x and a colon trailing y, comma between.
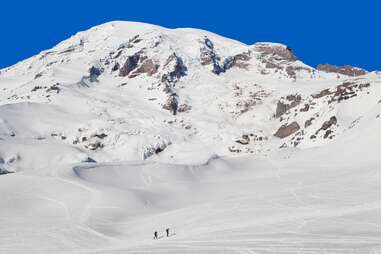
x: 167, y: 231
x: 155, y: 236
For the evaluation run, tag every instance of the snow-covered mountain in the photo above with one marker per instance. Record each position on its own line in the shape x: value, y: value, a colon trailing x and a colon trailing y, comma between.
x: 127, y: 126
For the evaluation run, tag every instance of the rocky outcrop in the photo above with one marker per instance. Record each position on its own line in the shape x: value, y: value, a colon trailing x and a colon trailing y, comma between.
x: 308, y: 122
x: 276, y: 52
x: 342, y: 92
x: 321, y: 94
x: 94, y: 73
x: 287, y: 130
x: 130, y: 44
x: 54, y: 88
x: 116, y: 67
x: 346, y: 91
x: 148, y: 67
x: 172, y: 103
x: 207, y: 53
x: 326, y: 128
x: 345, y: 70
x: 244, y: 140
x: 209, y: 56
x: 130, y: 65
x: 285, y: 104
x: 239, y: 61
x: 176, y: 69
x: 184, y: 108
x: 279, y: 58
x: 329, y: 123
x: 156, y: 147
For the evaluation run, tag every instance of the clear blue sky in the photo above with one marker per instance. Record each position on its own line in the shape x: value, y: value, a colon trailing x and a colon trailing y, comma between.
x: 338, y: 32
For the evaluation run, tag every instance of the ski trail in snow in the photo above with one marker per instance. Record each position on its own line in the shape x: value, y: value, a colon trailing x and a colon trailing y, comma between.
x: 86, y: 213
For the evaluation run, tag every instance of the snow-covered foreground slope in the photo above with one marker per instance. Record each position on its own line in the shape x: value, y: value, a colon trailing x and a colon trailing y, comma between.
x: 128, y: 128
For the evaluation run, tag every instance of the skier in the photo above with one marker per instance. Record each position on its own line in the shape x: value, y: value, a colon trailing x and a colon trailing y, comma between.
x: 155, y: 235
x: 167, y: 231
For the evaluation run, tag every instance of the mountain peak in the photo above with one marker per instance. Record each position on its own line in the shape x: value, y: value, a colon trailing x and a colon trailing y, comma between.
x: 176, y: 88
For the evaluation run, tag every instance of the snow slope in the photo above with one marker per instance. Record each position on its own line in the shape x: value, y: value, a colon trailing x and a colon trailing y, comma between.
x: 264, y: 154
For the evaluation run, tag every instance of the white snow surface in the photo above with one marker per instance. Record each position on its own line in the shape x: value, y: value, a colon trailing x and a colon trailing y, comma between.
x: 97, y: 164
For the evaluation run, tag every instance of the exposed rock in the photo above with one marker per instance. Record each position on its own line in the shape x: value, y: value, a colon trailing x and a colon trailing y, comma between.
x: 345, y: 70
x: 291, y: 72
x: 208, y: 55
x: 130, y: 44
x: 36, y: 88
x: 287, y: 130
x: 344, y: 92
x: 101, y: 135
x: 177, y: 69
x: 94, y: 73
x: 276, y: 51
x: 305, y: 108
x: 156, y: 148
x: 95, y: 145
x: 244, y: 140
x: 115, y: 67
x: 239, y: 61
x: 308, y: 122
x: 184, y: 108
x: 130, y: 64
x: 148, y: 67
x: 329, y: 123
x: 172, y: 104
x: 327, y: 133
x: 287, y: 103
x: 54, y: 88
x: 323, y: 93
x: 38, y: 75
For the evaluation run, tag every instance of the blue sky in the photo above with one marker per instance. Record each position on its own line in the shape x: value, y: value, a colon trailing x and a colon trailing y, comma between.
x: 337, y: 32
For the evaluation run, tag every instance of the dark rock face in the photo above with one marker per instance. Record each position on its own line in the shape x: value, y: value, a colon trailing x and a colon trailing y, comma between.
x: 308, y: 123
x: 305, y: 108
x: 130, y: 64
x: 323, y: 93
x: 115, y: 67
x: 148, y: 67
x: 327, y: 124
x: 209, y: 56
x: 179, y: 69
x: 290, y: 102
x: 345, y: 70
x: 346, y: 91
x: 94, y: 73
x: 287, y: 130
x: 239, y: 61
x: 54, y: 88
x: 38, y: 75
x: 172, y: 104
